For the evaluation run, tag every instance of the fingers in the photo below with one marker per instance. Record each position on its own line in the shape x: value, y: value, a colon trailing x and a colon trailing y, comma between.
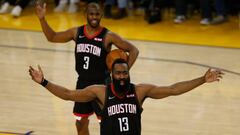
x: 39, y: 68
x: 218, y: 74
x: 221, y: 73
x: 216, y: 71
x: 213, y: 75
x: 31, y: 69
x: 44, y: 5
x: 35, y: 74
x: 39, y: 2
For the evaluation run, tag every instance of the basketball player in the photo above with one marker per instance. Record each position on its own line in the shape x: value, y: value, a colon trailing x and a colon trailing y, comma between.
x: 93, y: 42
x: 121, y: 102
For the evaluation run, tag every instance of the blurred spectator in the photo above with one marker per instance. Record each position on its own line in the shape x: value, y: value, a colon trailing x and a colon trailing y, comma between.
x: 122, y: 9
x: 221, y: 15
x: 152, y: 10
x: 206, y: 12
x: 232, y: 6
x: 108, y: 8
x: 155, y: 8
x: 219, y: 7
x: 19, y: 5
x: 62, y: 4
x: 181, y: 7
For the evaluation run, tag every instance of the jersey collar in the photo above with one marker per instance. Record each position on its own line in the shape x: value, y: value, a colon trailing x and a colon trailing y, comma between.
x: 93, y: 35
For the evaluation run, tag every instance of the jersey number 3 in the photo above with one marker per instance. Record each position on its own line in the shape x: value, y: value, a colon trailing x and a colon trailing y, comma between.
x: 123, y: 124
x: 86, y: 64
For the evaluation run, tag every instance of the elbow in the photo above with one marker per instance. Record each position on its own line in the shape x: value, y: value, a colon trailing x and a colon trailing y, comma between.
x: 136, y: 51
x: 132, y: 49
x: 50, y: 38
x: 66, y: 98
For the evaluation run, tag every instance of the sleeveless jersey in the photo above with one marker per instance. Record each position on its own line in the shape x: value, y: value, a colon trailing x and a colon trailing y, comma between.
x: 90, y: 55
x: 121, y: 116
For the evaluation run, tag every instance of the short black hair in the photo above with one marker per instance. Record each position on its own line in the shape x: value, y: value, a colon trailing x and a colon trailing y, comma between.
x: 93, y: 5
x: 119, y: 61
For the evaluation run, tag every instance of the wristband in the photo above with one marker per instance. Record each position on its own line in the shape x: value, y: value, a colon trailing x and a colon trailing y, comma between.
x: 44, y: 82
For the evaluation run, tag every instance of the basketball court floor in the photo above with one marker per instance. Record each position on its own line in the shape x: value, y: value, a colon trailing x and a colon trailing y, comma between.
x: 211, y: 109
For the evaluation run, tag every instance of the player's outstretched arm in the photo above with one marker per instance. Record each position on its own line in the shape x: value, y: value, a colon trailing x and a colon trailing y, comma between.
x: 85, y: 95
x: 182, y: 87
x: 51, y: 35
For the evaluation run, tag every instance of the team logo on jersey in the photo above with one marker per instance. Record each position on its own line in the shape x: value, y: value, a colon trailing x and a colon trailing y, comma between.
x: 98, y: 39
x: 130, y: 95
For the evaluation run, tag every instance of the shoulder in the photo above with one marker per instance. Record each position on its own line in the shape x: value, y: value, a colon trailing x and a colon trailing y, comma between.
x: 98, y: 90
x: 142, y: 91
x: 112, y: 36
x: 110, y: 33
x: 74, y: 29
x: 97, y: 87
x: 144, y: 87
x: 73, y: 32
x: 106, y: 29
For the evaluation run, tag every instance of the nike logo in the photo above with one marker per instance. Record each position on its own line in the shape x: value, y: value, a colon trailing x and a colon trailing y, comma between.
x: 111, y: 98
x: 81, y: 36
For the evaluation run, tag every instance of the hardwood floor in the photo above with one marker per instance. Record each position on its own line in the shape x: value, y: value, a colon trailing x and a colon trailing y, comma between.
x: 211, y: 109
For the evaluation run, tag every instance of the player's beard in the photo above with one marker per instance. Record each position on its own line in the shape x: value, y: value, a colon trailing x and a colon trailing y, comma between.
x: 121, y: 88
x: 93, y: 25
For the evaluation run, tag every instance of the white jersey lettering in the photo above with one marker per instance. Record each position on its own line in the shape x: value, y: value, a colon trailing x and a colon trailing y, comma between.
x: 89, y: 48
x: 122, y: 108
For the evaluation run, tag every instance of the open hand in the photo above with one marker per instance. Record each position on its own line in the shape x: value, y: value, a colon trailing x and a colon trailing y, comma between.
x: 213, y: 75
x: 40, y: 9
x: 37, y: 75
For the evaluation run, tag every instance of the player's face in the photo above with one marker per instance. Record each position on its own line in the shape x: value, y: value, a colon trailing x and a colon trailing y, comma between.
x: 120, y: 76
x: 94, y: 16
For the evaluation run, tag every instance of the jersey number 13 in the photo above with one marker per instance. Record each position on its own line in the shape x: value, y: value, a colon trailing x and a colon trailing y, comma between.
x: 123, y: 124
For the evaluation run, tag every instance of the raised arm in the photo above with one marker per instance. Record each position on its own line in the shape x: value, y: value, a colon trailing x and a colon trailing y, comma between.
x: 123, y: 44
x: 157, y: 92
x: 50, y: 34
x: 85, y: 95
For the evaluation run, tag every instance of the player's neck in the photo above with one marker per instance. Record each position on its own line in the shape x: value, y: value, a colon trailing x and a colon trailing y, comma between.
x: 91, y: 30
x: 119, y: 93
